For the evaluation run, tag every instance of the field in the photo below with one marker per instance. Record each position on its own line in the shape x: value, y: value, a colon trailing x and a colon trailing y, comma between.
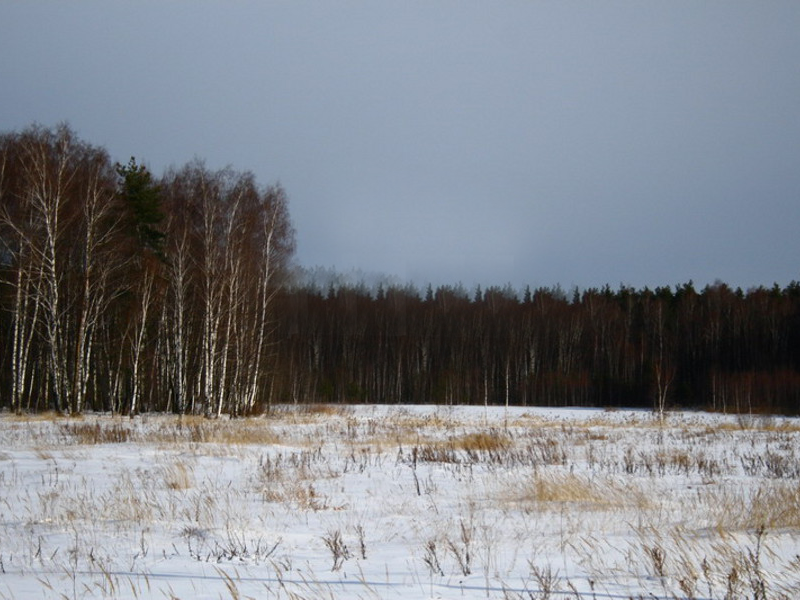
x: 401, y: 502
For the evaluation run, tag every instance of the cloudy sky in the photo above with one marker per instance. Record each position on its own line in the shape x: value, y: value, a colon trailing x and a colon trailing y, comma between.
x: 525, y: 142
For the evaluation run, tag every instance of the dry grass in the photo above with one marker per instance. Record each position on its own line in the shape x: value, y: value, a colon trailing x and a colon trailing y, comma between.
x: 758, y: 423
x: 320, y: 409
x: 244, y: 432
x: 178, y: 476
x: 773, y: 504
x: 167, y: 429
x: 481, y: 441
x: 470, y: 448
x: 307, y: 413
x: 299, y: 495
x: 105, y: 432
x: 410, y: 422
x: 47, y: 415
x: 553, y: 490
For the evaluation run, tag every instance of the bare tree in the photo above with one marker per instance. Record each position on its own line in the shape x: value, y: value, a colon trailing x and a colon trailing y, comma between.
x: 58, y: 217
x: 663, y: 366
x: 17, y: 239
x: 226, y: 254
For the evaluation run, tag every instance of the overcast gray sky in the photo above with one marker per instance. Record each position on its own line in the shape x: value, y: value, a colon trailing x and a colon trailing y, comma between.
x: 523, y: 142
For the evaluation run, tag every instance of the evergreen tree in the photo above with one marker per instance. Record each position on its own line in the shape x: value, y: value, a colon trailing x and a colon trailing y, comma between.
x: 142, y: 196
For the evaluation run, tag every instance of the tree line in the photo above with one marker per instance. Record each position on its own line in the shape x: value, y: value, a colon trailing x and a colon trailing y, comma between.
x: 125, y: 292
x: 715, y: 348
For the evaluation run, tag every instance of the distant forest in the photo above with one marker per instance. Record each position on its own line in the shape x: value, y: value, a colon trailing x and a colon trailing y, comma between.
x: 122, y: 291
x: 716, y: 348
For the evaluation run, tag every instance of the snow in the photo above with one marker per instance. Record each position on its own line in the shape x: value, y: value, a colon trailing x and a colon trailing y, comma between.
x: 401, y: 502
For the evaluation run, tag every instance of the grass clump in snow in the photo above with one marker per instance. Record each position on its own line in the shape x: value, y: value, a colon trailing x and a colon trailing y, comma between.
x: 96, y: 432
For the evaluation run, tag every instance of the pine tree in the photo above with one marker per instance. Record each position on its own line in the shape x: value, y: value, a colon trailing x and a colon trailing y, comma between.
x: 143, y: 198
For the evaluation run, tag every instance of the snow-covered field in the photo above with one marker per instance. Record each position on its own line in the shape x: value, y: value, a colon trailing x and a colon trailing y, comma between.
x: 401, y: 502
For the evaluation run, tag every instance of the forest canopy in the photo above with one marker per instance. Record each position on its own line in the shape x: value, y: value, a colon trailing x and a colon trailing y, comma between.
x: 124, y: 291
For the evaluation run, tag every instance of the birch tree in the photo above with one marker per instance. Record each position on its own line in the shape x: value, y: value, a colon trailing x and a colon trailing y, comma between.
x: 16, y: 235
x: 58, y: 218
x: 125, y: 293
x: 228, y: 241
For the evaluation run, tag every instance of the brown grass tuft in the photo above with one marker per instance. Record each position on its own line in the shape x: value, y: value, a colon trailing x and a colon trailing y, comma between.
x: 242, y: 432
x: 96, y: 432
x: 483, y: 441
x: 44, y: 416
x: 178, y: 476
x: 568, y: 488
x: 301, y: 496
x: 774, y: 504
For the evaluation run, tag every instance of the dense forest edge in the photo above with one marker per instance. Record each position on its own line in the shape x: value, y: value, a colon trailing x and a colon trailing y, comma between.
x: 125, y: 292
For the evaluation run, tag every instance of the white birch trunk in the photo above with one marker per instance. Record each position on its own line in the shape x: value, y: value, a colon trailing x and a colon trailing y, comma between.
x: 137, y: 343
